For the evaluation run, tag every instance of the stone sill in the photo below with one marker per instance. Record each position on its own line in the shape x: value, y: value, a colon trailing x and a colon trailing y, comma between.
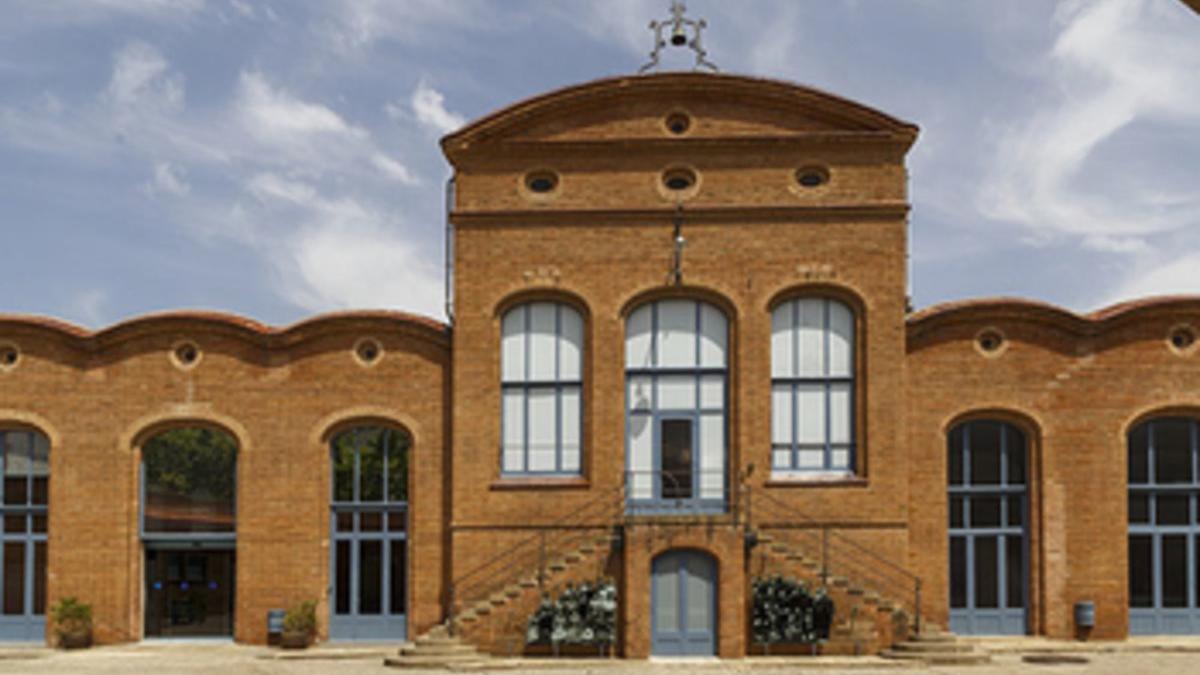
x: 817, y: 480
x: 542, y: 483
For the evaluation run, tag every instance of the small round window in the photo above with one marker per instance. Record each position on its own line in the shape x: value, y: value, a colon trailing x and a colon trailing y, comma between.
x: 812, y: 176
x: 367, y: 351
x: 541, y: 182
x: 678, y: 123
x: 679, y: 179
x: 185, y: 355
x: 990, y: 341
x: 1182, y: 338
x: 9, y: 357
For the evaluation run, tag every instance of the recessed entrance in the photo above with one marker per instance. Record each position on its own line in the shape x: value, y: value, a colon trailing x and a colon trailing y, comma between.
x: 683, y: 604
x: 189, y: 593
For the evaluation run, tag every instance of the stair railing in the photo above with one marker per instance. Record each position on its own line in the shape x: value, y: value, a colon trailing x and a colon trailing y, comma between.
x: 839, y: 555
x: 531, y: 556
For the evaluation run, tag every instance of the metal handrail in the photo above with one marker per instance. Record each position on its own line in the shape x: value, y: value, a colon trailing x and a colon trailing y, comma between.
x: 834, y: 546
x: 675, y: 483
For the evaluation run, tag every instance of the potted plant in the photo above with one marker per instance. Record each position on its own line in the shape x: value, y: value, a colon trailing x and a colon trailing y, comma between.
x: 299, y: 625
x: 73, y: 621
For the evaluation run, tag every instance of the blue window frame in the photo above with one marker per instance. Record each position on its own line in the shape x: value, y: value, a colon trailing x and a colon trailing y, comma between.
x: 369, y: 526
x: 812, y: 386
x: 25, y: 456
x: 1164, y: 526
x: 541, y: 372
x: 676, y: 428
x: 988, y: 521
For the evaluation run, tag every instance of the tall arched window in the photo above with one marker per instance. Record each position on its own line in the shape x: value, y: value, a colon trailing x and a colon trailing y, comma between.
x: 812, y: 386
x: 1164, y: 534
x: 369, y: 517
x: 541, y: 372
x: 26, y: 466
x: 675, y: 377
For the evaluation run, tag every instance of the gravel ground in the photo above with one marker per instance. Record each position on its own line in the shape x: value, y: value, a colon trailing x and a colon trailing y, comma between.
x: 230, y: 660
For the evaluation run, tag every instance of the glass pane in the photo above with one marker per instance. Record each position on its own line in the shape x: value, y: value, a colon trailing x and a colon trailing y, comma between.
x: 1014, y: 570
x: 1139, y: 448
x: 810, y: 413
x: 810, y: 458
x: 987, y: 572
x: 513, y: 421
x: 370, y: 464
x: 641, y: 456
x: 342, y: 590
x: 640, y: 394
x: 1016, y: 511
x: 638, y: 343
x: 712, y: 456
x: 370, y: 521
x: 985, y: 453
x: 958, y: 572
x: 676, y: 392
x: 954, y: 454
x: 370, y: 581
x: 676, y: 446
x: 1172, y: 451
x: 570, y: 347
x: 543, y: 430
x: 399, y: 577
x: 810, y: 321
x: 543, y: 341
x: 39, y: 524
x: 39, y: 578
x: 666, y: 596
x: 781, y: 414
x: 712, y: 392
x: 14, y: 523
x: 1174, y: 576
x: 677, y: 334
x: 1172, y: 510
x: 956, y: 512
x: 190, y: 481
x: 699, y: 602
x: 572, y: 430
x: 512, y: 346
x: 1139, y: 507
x: 840, y: 413
x: 1017, y: 450
x: 839, y: 459
x: 713, y: 332
x: 781, y: 458
x: 782, y: 341
x: 16, y: 467
x: 343, y: 467
x: 1141, y: 571
x: 345, y: 522
x: 40, y: 469
x: 841, y: 340
x: 397, y: 466
x: 397, y: 521
x: 985, y: 512
x: 14, y: 577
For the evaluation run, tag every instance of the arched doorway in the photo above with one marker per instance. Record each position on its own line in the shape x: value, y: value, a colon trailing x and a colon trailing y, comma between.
x: 25, y: 459
x: 989, y: 547
x: 369, y: 528
x: 1164, y: 538
x: 189, y: 529
x: 683, y: 604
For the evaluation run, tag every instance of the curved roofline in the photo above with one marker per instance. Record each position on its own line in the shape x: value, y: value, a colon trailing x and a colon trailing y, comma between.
x: 512, y: 115
x: 206, y: 320
x: 983, y: 309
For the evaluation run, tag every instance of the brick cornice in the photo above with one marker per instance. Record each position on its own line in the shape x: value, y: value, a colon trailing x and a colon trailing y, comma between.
x: 743, y: 214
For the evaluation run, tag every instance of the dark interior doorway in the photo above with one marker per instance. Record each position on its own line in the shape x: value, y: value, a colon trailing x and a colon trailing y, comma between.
x: 189, y: 593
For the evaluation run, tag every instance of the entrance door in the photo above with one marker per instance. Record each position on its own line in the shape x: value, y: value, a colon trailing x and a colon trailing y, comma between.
x: 988, y: 546
x: 25, y: 459
x: 189, y: 593
x: 683, y: 604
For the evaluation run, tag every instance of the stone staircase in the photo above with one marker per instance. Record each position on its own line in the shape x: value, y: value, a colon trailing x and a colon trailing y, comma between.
x: 937, y: 647
x: 495, y: 625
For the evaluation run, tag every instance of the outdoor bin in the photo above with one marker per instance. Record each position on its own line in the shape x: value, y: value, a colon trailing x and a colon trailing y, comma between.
x: 1085, y: 614
x: 274, y: 625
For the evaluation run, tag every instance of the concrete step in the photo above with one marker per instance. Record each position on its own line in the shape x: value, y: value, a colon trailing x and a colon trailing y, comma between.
x: 513, y: 591
x: 434, y: 662
x: 939, y: 659
x: 439, y: 650
x: 573, y: 558
x: 932, y: 647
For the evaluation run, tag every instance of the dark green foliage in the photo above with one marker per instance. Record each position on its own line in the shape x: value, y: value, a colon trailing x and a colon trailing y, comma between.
x: 194, y: 462
x: 785, y: 612
x: 302, y: 618
x: 582, y: 615
x: 375, y: 446
x: 71, y: 616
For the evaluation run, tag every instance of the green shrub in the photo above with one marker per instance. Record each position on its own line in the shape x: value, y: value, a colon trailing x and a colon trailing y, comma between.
x: 582, y: 615
x: 71, y: 616
x: 785, y: 612
x: 301, y: 618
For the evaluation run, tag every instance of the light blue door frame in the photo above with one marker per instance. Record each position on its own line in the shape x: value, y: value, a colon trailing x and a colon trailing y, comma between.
x: 683, y: 604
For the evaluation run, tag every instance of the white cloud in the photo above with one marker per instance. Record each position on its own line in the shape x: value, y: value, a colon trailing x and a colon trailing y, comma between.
x: 394, y: 169
x: 1117, y: 65
x: 429, y: 105
x: 141, y: 75
x: 274, y: 112
x: 1157, y: 277
x: 169, y: 180
x: 88, y: 307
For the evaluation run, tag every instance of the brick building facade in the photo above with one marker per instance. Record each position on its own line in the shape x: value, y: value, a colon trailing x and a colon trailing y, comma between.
x: 681, y: 358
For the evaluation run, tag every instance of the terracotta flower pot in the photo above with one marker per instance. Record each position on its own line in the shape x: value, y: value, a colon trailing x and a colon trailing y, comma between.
x: 294, y: 639
x: 75, y: 639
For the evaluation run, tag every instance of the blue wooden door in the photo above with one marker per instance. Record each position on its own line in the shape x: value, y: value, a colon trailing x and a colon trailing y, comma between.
x: 988, y: 520
x: 683, y: 604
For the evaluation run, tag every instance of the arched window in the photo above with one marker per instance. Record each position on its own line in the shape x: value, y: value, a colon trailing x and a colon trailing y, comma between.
x: 26, y: 467
x: 369, y: 519
x: 675, y: 378
x: 189, y: 525
x: 541, y: 372
x: 812, y: 386
x: 1164, y: 534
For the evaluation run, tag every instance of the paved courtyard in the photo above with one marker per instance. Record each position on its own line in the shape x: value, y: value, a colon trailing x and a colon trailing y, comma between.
x: 227, y: 659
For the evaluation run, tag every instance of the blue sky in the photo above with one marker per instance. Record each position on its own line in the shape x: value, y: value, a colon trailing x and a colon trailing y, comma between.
x: 279, y: 158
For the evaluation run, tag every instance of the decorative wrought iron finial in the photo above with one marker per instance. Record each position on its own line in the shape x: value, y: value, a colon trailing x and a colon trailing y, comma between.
x: 679, y: 27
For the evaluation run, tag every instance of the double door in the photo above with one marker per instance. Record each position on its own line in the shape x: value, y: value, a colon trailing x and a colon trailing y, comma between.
x: 189, y: 593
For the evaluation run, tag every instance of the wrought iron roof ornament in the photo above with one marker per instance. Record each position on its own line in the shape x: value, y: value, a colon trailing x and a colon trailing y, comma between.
x: 679, y: 38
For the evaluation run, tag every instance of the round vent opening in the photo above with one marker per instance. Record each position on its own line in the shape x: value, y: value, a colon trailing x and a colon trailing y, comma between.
x: 812, y: 176
x: 990, y: 341
x: 185, y: 354
x: 541, y: 182
x: 368, y: 351
x: 678, y: 123
x: 1182, y: 338
x: 679, y: 179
